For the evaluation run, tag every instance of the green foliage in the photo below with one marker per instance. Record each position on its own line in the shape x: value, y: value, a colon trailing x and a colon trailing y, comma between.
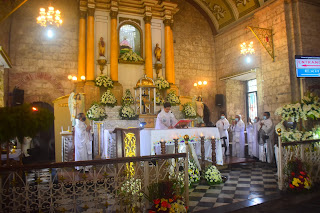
x: 21, y: 121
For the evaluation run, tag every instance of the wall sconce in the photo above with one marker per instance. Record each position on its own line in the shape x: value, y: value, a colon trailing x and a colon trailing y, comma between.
x: 199, y: 85
x: 75, y: 79
x: 247, y: 48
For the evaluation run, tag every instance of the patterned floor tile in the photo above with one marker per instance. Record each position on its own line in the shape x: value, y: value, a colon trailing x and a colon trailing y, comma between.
x: 245, y: 181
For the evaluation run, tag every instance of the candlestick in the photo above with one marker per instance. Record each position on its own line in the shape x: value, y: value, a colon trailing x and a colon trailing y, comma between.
x: 61, y: 128
x: 163, y: 146
x: 213, y: 149
x: 176, y: 144
x: 202, y: 152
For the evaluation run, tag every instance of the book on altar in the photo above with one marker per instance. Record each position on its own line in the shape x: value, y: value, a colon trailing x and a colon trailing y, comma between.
x: 182, y: 123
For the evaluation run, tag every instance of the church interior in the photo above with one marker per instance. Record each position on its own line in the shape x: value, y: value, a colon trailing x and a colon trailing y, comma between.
x: 118, y: 61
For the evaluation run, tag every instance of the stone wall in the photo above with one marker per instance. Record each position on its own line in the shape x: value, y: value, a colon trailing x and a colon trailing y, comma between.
x: 194, y: 55
x: 310, y: 31
x: 5, y: 32
x: 274, y: 86
x: 41, y: 64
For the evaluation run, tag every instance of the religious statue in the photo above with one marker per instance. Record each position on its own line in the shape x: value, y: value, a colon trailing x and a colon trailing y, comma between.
x: 157, y: 52
x: 102, y: 47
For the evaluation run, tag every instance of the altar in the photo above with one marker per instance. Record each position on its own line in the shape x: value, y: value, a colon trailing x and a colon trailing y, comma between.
x: 150, y: 141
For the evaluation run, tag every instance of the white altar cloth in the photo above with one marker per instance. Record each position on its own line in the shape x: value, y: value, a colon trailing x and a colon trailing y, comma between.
x: 150, y: 141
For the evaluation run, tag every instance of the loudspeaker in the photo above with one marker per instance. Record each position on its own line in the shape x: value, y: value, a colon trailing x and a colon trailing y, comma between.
x: 17, y: 97
x: 219, y: 100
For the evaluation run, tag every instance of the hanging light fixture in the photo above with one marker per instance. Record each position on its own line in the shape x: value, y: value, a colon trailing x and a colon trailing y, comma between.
x: 247, y: 49
x: 51, y: 17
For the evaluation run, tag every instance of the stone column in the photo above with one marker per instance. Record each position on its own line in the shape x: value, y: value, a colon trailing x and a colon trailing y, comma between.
x: 117, y: 89
x: 82, y: 50
x: 148, y: 47
x: 114, y: 52
x: 172, y: 55
x: 90, y: 90
x: 168, y: 49
x: 90, y: 47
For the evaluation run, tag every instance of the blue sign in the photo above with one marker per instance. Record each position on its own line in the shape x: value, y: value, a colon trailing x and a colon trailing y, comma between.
x: 308, y: 72
x: 308, y: 66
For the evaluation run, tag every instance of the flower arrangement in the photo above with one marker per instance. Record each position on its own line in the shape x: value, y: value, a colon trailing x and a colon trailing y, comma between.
x: 96, y: 112
x: 173, y: 99
x: 189, y: 111
x: 212, y: 175
x: 104, y: 81
x: 127, y: 99
x: 166, y: 197
x: 308, y: 108
x: 161, y: 83
x: 127, y: 113
x: 108, y: 99
x: 298, y: 179
x: 159, y: 99
x: 194, y: 174
x: 131, y: 56
x: 131, y: 186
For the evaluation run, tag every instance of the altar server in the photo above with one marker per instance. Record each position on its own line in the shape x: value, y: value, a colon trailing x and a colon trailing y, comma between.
x: 250, y: 137
x: 82, y: 140
x: 268, y: 128
x: 238, y: 141
x: 223, y: 125
x: 255, y: 144
x: 166, y: 119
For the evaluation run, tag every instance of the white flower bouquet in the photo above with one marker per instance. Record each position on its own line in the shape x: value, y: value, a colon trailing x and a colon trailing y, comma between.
x: 127, y: 113
x: 212, y: 175
x: 159, y: 99
x: 194, y: 174
x: 161, y: 83
x: 96, y: 112
x: 127, y: 99
x: 189, y: 111
x: 131, y: 56
x: 104, y: 81
x: 108, y: 99
x: 173, y: 99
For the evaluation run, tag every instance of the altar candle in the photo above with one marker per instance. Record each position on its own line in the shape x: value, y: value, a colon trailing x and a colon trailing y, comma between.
x: 61, y: 128
x: 161, y: 140
x: 68, y: 128
x: 201, y: 135
x: 212, y: 137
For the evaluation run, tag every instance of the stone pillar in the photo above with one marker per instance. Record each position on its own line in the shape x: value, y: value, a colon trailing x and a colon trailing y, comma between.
x: 168, y: 49
x: 82, y: 50
x: 91, y: 91
x: 114, y: 52
x: 172, y: 54
x: 90, y: 47
x: 148, y: 47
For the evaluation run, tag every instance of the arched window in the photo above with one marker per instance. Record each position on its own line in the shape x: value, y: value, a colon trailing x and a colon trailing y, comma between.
x: 130, y: 38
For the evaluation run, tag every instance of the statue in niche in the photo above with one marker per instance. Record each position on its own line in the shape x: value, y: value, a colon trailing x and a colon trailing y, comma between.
x: 157, y: 52
x: 102, y: 47
x: 125, y: 44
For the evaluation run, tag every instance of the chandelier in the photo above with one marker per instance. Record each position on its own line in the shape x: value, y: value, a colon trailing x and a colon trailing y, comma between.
x: 50, y: 17
x: 247, y: 49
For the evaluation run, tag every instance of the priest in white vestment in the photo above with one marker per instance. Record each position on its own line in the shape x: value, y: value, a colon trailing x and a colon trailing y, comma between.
x: 82, y: 140
x: 223, y: 125
x: 268, y: 128
x: 238, y: 141
x: 166, y: 119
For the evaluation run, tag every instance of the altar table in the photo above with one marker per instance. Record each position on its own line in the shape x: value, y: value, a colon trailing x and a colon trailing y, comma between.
x: 150, y: 141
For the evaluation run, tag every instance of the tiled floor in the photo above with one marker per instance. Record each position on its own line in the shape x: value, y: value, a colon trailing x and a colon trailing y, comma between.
x: 245, y: 181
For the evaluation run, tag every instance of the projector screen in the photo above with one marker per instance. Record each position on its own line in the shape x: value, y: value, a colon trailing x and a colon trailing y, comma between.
x: 308, y: 66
